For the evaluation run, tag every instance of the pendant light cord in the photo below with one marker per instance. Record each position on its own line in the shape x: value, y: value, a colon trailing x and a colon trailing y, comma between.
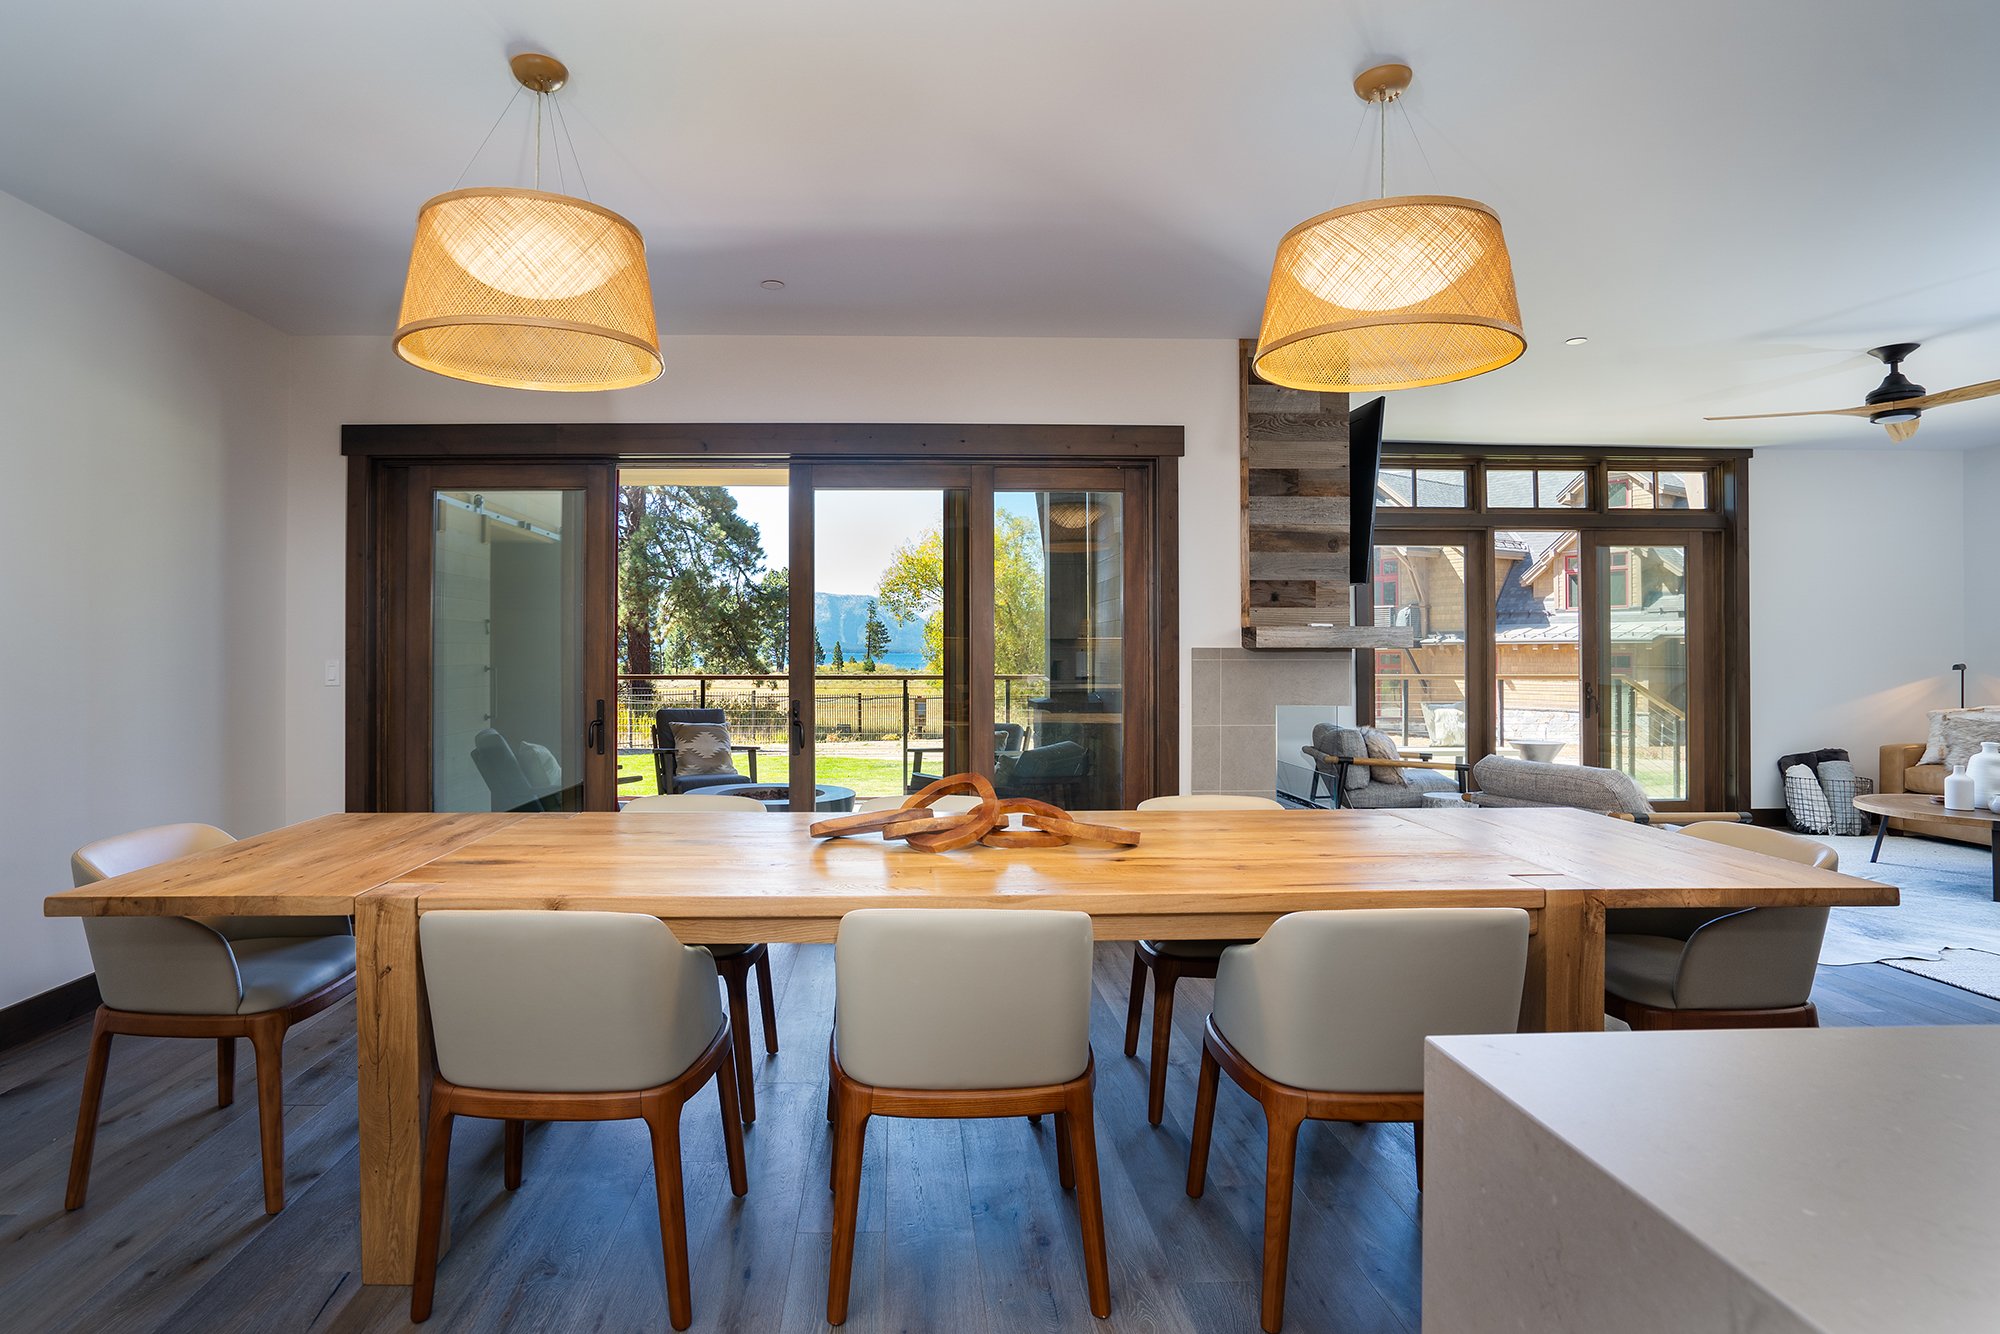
x: 1382, y: 122
x: 539, y: 99
x: 488, y: 139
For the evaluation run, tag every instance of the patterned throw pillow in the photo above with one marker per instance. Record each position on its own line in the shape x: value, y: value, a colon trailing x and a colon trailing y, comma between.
x: 1381, y: 747
x: 701, y: 748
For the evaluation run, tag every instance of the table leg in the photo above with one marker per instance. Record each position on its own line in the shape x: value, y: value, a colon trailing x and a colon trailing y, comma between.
x: 1881, y: 832
x: 1565, y: 984
x: 1996, y: 863
x: 394, y: 1082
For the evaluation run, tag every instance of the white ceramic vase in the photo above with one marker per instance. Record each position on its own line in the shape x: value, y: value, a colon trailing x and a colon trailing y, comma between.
x: 1984, y: 771
x: 1959, y: 791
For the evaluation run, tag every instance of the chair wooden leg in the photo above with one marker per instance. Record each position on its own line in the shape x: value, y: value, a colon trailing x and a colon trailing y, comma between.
x: 512, y: 1149
x: 732, y: 1123
x: 1135, y: 1005
x: 1280, y: 1159
x: 1204, y: 1122
x: 664, y: 1123
x: 225, y: 1071
x: 736, y: 981
x: 850, y: 1136
x: 1082, y: 1133
x: 1065, y: 1153
x: 1417, y: 1129
x: 430, y: 1210
x: 1165, y: 975
x: 267, y: 1041
x: 86, y: 1112
x: 767, y: 1001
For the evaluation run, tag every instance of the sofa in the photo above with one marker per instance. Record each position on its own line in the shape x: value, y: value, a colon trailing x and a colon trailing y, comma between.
x: 1355, y: 780
x: 1902, y: 773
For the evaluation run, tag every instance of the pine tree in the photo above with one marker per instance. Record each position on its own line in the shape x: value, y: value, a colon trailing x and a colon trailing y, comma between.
x: 875, y: 637
x: 839, y: 657
x: 819, y: 651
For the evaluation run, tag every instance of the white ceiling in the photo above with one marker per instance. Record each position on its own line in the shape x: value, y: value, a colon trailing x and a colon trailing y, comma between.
x: 1731, y: 200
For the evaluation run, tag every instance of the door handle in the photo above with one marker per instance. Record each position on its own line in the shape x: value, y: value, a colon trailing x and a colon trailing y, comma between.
x: 798, y: 731
x: 1590, y: 699
x: 593, y: 735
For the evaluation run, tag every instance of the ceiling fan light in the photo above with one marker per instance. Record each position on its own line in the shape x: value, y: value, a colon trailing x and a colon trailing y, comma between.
x: 1896, y: 415
x: 1389, y: 294
x: 528, y: 290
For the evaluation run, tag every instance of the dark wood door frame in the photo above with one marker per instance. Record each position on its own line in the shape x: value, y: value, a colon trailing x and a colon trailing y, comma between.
x: 381, y: 460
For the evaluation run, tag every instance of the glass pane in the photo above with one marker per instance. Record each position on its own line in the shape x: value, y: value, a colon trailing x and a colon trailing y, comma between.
x: 1683, y: 491
x: 1537, y: 659
x: 507, y: 664
x: 703, y: 619
x: 1563, y: 488
x: 1629, y: 490
x: 1645, y: 724
x: 1059, y: 647
x: 1420, y: 691
x: 882, y: 620
x: 1510, y: 488
x: 1396, y: 488
x: 1441, y: 488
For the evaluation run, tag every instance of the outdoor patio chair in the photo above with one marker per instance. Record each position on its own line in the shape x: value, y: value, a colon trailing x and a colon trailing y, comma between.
x: 664, y: 768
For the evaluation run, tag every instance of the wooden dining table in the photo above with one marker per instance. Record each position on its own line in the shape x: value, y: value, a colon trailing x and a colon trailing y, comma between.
x: 729, y: 877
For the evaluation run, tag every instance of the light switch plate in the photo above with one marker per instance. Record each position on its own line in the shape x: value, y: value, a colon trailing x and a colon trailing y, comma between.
x: 333, y: 671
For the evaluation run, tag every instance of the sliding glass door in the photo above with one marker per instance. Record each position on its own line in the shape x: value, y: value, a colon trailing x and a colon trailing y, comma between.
x: 1638, y: 684
x: 503, y: 634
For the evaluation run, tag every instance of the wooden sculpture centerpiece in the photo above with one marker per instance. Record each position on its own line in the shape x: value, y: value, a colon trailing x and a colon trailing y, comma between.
x: 989, y: 823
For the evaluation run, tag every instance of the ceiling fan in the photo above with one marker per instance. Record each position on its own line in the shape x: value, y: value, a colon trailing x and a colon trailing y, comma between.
x: 1896, y: 403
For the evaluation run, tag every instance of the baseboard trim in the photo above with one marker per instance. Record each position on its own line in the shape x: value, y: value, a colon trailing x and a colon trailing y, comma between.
x: 37, y: 1016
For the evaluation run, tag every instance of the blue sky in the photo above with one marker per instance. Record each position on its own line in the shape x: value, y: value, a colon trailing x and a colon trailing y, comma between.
x: 858, y: 531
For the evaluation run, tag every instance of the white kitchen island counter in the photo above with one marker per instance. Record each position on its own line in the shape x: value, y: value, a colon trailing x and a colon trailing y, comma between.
x: 1770, y: 1181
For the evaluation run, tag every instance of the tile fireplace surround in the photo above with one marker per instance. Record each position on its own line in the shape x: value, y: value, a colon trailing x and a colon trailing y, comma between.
x: 1234, y: 702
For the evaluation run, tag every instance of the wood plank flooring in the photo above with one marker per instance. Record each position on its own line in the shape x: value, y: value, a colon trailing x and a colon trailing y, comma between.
x: 963, y: 1225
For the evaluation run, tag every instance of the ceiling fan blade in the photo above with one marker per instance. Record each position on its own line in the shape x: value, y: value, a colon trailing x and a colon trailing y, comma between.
x: 1903, y: 430
x: 1942, y: 397
x: 1820, y: 412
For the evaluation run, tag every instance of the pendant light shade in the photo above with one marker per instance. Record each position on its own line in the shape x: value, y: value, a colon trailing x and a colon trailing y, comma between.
x: 528, y: 290
x: 1390, y: 294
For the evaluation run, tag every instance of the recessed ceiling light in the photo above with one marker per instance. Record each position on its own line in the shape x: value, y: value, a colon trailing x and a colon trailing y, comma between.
x: 1575, y: 342
x: 772, y: 284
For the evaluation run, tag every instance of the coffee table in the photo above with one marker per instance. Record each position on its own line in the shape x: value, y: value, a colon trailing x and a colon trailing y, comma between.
x: 778, y: 797
x: 1914, y: 805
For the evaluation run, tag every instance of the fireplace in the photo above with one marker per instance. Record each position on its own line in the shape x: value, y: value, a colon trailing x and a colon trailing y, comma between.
x: 1251, y: 710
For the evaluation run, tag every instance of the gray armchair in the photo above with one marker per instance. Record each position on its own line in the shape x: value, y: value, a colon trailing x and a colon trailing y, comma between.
x: 1341, y: 764
x: 1697, y: 968
x: 216, y: 977
x: 1501, y: 781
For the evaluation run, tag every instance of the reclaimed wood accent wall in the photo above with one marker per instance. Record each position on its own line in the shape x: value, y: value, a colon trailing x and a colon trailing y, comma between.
x: 1296, y: 535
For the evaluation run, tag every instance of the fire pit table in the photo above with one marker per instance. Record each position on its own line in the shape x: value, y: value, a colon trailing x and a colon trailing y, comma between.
x: 778, y: 797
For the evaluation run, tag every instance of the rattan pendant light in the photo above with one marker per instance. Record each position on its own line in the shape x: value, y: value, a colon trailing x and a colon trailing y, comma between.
x: 529, y: 289
x: 1391, y: 293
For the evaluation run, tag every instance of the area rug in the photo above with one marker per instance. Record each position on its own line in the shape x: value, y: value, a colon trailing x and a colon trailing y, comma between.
x: 1947, y: 903
x: 1968, y: 970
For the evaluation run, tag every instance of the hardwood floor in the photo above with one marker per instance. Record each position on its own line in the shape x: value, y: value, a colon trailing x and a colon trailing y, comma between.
x: 962, y: 1225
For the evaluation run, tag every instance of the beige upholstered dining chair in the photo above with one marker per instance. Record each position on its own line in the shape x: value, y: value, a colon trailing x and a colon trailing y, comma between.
x: 1171, y: 960
x: 971, y: 1012
x: 733, y: 962
x: 217, y: 977
x: 1734, y: 968
x: 571, y: 1016
x: 1325, y: 1019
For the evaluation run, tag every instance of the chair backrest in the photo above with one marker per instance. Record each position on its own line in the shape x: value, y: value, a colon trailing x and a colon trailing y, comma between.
x: 1008, y: 737
x: 663, y: 735
x: 690, y: 803
x: 1210, y: 801
x: 501, y: 768
x: 1770, y: 842
x: 965, y: 998
x: 1061, y: 759
x: 565, y: 1002
x: 1532, y: 782
x: 1341, y: 1001
x: 141, y: 848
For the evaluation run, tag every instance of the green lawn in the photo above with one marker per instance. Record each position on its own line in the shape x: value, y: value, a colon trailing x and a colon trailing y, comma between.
x: 868, y: 777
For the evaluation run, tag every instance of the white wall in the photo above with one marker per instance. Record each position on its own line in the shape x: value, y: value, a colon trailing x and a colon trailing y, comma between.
x: 1858, y: 597
x: 1982, y: 575
x: 1052, y: 380
x: 141, y: 567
